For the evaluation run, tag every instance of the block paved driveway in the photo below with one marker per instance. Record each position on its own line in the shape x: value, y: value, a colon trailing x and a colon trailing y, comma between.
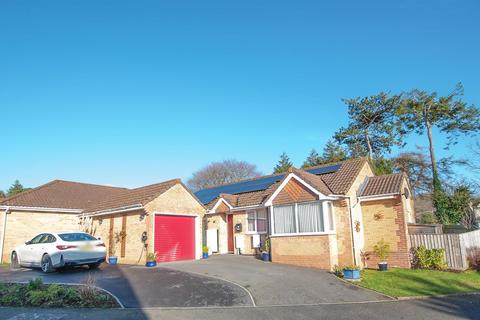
x: 273, y: 284
x: 220, y: 281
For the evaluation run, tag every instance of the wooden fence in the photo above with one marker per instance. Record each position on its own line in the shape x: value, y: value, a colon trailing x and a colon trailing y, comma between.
x: 458, y: 247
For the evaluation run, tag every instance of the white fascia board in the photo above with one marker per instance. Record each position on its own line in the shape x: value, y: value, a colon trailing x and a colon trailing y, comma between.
x: 291, y: 176
x: 40, y: 209
x: 114, y: 210
x: 218, y: 204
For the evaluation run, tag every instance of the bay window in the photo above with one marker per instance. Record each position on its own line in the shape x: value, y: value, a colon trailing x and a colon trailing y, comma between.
x: 257, y: 221
x: 303, y: 218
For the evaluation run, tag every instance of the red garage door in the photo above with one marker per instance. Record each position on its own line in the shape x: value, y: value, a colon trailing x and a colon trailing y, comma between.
x: 174, y: 238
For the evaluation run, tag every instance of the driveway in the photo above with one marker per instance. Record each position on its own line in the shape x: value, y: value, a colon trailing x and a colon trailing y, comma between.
x: 137, y: 286
x: 273, y: 284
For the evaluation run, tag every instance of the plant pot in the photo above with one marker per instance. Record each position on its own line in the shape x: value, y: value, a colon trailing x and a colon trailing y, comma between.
x: 350, y: 274
x: 204, y: 255
x: 112, y: 260
x: 266, y: 256
x: 383, y: 266
x: 151, y: 264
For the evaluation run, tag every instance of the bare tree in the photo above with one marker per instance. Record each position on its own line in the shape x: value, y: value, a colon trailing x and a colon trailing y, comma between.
x: 217, y: 173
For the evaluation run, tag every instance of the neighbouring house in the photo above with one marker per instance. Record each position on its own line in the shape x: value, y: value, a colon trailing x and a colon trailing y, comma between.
x: 164, y: 217
x: 318, y: 217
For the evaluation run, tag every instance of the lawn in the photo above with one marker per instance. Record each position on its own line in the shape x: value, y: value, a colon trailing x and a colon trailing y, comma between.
x: 415, y: 282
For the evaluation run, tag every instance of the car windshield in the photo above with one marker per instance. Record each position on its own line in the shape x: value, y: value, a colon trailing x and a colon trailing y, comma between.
x: 76, y: 237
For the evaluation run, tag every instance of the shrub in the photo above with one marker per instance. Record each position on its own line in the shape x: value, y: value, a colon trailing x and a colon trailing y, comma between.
x: 36, y: 297
x: 266, y: 245
x: 338, y: 271
x: 382, y: 250
x: 351, y: 268
x: 152, y: 256
x: 429, y: 258
x: 88, y: 291
x: 474, y: 259
x: 35, y: 284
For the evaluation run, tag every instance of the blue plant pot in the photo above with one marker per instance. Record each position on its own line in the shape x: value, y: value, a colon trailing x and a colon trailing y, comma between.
x: 265, y: 256
x: 112, y: 260
x: 204, y: 255
x: 151, y: 264
x: 351, y: 274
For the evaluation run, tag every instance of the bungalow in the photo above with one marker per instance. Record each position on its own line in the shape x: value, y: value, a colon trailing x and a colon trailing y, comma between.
x: 164, y: 217
x: 319, y: 217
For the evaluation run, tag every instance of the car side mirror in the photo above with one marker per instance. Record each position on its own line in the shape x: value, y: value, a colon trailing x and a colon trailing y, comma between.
x: 99, y: 238
x: 27, y: 242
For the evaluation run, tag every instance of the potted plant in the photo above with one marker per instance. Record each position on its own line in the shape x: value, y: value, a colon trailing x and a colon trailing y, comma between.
x: 151, y: 259
x: 351, y: 273
x: 118, y: 237
x: 205, y: 252
x: 266, y: 250
x: 382, y: 251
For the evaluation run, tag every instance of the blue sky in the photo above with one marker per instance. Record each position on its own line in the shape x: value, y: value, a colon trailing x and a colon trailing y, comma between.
x: 132, y: 93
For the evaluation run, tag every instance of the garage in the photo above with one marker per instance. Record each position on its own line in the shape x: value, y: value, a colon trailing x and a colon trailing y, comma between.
x: 174, y: 237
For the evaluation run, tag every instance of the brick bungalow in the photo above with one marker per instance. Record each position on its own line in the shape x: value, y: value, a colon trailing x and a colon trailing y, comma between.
x: 319, y: 217
x: 167, y: 213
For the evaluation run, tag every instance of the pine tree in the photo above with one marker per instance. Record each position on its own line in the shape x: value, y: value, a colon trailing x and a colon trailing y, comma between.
x: 333, y: 152
x: 283, y: 164
x: 312, y: 160
x: 15, y: 189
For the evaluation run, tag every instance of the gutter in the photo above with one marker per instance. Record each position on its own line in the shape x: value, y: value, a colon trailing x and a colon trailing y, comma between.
x: 40, y: 209
x: 115, y: 210
x: 378, y: 196
x: 7, y: 209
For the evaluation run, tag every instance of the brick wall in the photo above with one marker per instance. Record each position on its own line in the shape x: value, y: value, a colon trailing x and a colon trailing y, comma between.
x: 386, y: 219
x: 241, y: 217
x: 343, y: 232
x: 24, y: 225
x: 306, y: 251
x: 134, y: 249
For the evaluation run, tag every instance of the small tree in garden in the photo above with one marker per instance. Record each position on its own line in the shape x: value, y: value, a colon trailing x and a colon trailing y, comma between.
x: 382, y: 250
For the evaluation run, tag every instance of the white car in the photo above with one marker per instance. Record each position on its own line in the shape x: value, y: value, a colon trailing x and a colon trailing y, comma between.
x: 51, y: 250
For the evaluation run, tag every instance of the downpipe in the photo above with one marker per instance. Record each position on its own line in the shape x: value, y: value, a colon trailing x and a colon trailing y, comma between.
x: 4, y: 228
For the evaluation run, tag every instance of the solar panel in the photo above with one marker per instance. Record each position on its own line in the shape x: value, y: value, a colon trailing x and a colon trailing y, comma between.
x: 208, y: 195
x: 325, y: 170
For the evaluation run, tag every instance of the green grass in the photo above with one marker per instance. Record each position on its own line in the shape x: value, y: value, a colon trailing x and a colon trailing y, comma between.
x: 415, y: 282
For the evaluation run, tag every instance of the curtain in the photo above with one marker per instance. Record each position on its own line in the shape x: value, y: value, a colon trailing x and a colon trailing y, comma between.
x: 251, y: 221
x: 310, y: 218
x: 261, y: 221
x: 330, y: 215
x: 284, y: 219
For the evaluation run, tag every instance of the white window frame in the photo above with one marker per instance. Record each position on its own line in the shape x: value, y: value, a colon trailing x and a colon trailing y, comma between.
x: 326, y: 227
x: 256, y: 221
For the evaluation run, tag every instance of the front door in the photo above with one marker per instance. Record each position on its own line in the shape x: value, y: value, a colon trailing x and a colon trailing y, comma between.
x: 230, y: 233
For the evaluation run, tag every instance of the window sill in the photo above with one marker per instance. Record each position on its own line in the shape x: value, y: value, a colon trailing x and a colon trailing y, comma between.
x: 303, y: 234
x: 251, y: 233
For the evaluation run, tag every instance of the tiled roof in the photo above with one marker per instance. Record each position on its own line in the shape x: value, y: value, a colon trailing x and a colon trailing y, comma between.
x: 130, y: 197
x: 386, y: 184
x: 338, y: 182
x: 62, y: 194
x: 341, y: 181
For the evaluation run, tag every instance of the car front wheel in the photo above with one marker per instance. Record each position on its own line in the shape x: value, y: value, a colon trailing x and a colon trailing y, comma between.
x: 47, y: 264
x: 14, y: 261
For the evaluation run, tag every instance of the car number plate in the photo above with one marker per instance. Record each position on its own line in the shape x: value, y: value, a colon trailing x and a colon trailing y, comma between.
x: 87, y: 247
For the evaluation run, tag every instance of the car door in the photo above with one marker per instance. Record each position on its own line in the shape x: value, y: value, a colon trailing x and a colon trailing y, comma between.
x: 39, y: 248
x: 26, y: 252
